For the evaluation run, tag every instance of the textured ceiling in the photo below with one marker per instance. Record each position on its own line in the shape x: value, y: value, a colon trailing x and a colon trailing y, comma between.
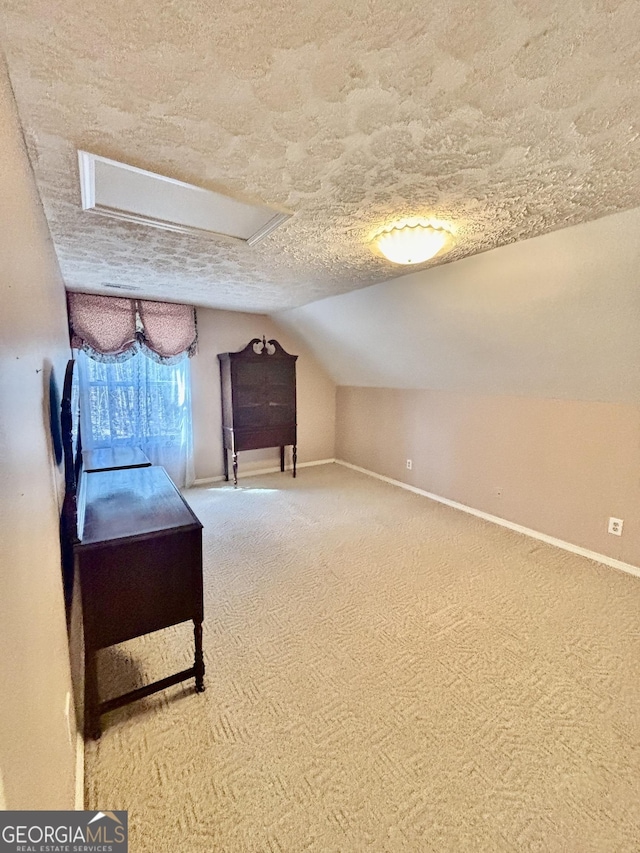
x: 508, y: 119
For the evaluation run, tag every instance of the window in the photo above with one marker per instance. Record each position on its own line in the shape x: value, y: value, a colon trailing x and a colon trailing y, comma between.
x: 139, y: 403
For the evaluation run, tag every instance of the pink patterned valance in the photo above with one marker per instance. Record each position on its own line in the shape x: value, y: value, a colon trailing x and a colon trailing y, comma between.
x: 105, y: 324
x: 168, y: 329
x: 110, y: 328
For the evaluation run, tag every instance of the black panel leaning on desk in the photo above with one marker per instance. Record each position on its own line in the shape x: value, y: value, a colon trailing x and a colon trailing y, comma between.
x: 258, y: 401
x: 139, y: 563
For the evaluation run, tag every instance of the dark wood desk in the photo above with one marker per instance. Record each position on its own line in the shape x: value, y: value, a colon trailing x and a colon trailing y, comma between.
x: 112, y: 458
x: 139, y: 563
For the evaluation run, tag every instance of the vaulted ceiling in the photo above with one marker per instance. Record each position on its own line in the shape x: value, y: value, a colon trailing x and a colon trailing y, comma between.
x: 507, y: 118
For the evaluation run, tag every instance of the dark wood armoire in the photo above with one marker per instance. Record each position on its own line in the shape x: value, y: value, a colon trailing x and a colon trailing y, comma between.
x: 258, y: 401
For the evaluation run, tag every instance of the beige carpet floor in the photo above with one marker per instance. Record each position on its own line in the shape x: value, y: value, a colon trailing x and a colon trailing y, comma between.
x: 383, y: 674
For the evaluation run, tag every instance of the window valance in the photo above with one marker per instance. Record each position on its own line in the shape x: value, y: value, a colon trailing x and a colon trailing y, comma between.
x: 110, y: 328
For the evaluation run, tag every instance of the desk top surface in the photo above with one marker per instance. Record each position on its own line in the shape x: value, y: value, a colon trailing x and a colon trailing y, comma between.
x: 132, y: 502
x: 108, y: 458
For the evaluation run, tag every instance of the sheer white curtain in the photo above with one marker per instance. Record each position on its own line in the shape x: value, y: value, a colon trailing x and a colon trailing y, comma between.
x: 139, y: 403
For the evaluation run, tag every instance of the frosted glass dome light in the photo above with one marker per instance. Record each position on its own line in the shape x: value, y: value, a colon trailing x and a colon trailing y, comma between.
x: 412, y: 241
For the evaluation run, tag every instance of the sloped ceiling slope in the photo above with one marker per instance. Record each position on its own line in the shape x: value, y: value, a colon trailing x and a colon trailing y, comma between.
x: 556, y: 316
x: 508, y: 118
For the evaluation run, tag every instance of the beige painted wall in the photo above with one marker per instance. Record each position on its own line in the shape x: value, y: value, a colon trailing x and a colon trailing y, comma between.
x: 518, y: 368
x: 563, y: 467
x: 228, y: 331
x: 37, y: 747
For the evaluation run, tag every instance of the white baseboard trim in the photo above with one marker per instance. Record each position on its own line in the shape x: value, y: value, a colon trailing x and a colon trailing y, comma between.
x: 256, y: 472
x: 79, y: 773
x: 314, y: 463
x: 527, y: 531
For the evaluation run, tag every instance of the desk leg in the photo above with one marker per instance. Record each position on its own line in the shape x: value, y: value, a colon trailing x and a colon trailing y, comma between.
x: 91, y: 701
x: 199, y: 657
x: 282, y: 458
x: 225, y: 461
x: 295, y: 458
x: 235, y: 468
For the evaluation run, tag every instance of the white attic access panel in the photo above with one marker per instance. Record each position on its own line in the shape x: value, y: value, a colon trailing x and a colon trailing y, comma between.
x: 135, y: 195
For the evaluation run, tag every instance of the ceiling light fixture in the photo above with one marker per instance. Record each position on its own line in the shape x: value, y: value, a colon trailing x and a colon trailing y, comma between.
x: 413, y: 240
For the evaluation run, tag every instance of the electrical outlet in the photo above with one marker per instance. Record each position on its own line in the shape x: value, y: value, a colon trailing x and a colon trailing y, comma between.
x: 409, y: 464
x: 615, y: 526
